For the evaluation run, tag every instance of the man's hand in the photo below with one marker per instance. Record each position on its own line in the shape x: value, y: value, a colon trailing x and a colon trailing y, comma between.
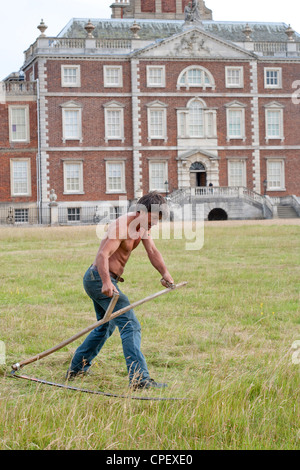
x: 167, y: 281
x: 108, y: 289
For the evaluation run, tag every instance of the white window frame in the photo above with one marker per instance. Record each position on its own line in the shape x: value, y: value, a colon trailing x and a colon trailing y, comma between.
x: 152, y: 84
x: 157, y: 106
x: 114, y: 106
x: 67, y: 84
x: 210, y: 114
x: 122, y: 188
x: 234, y: 107
x: 189, y: 121
x: 278, y: 70
x: 187, y: 84
x: 12, y: 182
x: 164, y: 164
x: 183, y: 127
x: 276, y: 108
x: 75, y: 107
x: 281, y: 186
x: 182, y: 115
x: 107, y: 83
x: 242, y: 163
x: 228, y: 69
x: 27, y: 127
x: 80, y: 188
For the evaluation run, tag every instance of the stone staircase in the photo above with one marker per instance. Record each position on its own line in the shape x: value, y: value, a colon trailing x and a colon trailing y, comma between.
x: 286, y: 212
x: 236, y: 202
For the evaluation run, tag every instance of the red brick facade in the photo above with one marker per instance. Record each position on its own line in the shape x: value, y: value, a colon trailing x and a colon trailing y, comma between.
x: 148, y: 6
x: 126, y: 105
x: 12, y: 150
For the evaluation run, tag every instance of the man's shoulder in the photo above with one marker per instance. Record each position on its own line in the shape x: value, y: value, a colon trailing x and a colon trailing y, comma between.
x: 118, y: 228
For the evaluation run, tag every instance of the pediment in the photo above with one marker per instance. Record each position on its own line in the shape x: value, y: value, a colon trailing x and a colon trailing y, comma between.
x: 190, y: 153
x: 114, y: 104
x: 194, y: 43
x: 71, y: 104
x: 156, y: 104
x: 274, y: 105
x: 235, y: 104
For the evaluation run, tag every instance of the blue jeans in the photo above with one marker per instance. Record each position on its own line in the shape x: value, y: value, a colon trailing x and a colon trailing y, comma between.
x: 129, y: 328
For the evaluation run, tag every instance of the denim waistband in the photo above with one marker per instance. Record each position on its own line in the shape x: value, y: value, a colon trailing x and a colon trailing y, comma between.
x: 113, y: 275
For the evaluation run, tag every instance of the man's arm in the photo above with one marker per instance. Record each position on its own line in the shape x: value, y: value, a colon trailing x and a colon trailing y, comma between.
x: 102, y: 263
x: 157, y: 261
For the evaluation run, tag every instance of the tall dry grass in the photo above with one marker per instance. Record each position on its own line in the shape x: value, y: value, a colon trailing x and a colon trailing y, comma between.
x: 224, y: 343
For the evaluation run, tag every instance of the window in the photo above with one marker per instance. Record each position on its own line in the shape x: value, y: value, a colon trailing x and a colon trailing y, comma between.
x: 210, y: 123
x: 71, y: 124
x: 115, y: 177
x: 235, y: 116
x: 274, y: 122
x: 275, y: 174
x: 195, y: 77
x: 19, y: 124
x: 272, y: 77
x: 157, y: 121
x: 70, y: 75
x: 20, y: 177
x: 114, y: 118
x: 196, y: 120
x: 73, y: 214
x: 156, y: 76
x: 116, y: 211
x: 72, y: 121
x: 113, y: 76
x: 234, y: 77
x: 236, y: 173
x: 73, y: 177
x: 114, y: 121
x: 156, y: 125
x: 21, y: 216
x: 158, y: 174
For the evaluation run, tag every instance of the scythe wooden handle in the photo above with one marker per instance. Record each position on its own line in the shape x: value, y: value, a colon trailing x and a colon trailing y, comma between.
x: 108, y: 316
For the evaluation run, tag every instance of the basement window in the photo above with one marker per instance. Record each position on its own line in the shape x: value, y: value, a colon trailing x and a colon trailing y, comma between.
x: 73, y: 214
x: 21, y: 216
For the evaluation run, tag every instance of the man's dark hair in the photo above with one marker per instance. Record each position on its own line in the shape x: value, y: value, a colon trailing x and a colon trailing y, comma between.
x: 153, y: 202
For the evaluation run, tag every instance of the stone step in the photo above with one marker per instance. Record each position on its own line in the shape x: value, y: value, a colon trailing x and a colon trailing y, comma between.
x: 286, y: 212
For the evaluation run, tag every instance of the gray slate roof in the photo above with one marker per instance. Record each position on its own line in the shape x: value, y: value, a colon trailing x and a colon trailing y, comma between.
x: 157, y: 29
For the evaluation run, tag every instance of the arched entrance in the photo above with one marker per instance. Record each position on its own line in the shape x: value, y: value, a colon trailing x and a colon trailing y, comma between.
x: 217, y: 214
x: 197, y: 175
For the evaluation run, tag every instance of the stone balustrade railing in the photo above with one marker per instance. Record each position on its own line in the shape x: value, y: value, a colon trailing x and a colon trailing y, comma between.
x: 48, y: 45
x: 180, y: 195
x: 277, y: 49
x: 18, y: 87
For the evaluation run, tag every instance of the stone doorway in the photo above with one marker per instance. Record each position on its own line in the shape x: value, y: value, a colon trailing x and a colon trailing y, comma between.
x: 197, y: 175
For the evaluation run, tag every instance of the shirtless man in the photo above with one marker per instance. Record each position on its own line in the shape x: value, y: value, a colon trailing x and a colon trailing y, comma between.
x: 101, y: 280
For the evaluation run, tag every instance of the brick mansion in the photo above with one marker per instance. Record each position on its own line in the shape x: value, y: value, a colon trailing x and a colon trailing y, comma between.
x: 157, y: 97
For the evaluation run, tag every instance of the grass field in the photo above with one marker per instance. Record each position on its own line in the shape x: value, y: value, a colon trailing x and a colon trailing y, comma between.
x: 224, y: 342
